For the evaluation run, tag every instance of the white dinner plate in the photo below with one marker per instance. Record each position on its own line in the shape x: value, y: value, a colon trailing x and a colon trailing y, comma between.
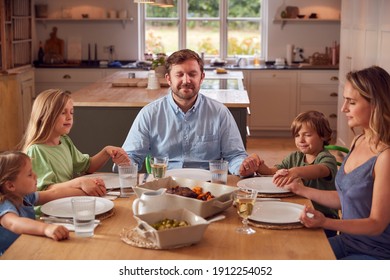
x: 261, y: 185
x: 63, y: 207
x: 111, y: 180
x: 190, y: 173
x: 276, y: 212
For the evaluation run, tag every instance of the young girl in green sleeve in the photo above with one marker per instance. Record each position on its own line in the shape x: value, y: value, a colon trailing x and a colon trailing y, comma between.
x: 56, y: 160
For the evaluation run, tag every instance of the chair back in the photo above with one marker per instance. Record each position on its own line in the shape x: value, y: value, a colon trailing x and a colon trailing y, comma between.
x: 340, y: 149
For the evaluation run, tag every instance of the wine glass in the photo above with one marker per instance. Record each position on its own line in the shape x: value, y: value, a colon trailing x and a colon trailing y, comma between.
x: 159, y: 166
x: 244, y: 201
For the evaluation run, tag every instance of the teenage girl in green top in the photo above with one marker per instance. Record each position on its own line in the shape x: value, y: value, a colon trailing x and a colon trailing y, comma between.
x: 56, y: 160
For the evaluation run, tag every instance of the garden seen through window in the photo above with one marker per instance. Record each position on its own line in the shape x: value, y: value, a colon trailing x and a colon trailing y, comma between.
x: 218, y: 28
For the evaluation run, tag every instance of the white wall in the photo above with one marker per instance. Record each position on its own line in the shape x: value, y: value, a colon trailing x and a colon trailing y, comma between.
x: 103, y: 33
x: 365, y: 42
x: 311, y: 36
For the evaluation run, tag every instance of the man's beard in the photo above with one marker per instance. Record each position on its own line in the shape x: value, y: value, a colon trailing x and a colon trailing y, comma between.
x: 185, y: 87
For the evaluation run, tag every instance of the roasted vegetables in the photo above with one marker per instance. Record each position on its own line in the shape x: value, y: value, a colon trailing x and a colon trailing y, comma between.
x: 201, y: 195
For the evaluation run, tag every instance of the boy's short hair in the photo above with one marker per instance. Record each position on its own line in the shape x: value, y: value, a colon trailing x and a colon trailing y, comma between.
x: 315, y: 120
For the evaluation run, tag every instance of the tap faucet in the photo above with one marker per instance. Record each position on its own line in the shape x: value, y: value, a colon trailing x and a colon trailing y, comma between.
x: 241, y: 62
x: 238, y: 61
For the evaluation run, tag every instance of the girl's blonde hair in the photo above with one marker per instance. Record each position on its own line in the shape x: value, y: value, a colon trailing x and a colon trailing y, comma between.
x: 373, y: 84
x: 46, y: 108
x: 315, y: 120
x: 10, y: 165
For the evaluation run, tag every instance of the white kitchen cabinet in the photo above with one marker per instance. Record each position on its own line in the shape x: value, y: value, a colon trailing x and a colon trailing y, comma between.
x: 66, y: 78
x: 110, y: 71
x: 16, y: 97
x: 318, y: 90
x: 273, y: 99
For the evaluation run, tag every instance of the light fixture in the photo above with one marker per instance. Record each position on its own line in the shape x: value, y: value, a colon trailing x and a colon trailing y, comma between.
x: 163, y: 3
x: 144, y: 1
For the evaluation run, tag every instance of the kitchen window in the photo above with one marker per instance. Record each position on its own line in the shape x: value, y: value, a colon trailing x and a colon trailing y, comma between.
x: 223, y: 28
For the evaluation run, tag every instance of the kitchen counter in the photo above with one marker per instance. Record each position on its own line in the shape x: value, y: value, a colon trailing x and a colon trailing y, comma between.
x: 102, y: 93
x: 131, y: 64
x: 104, y: 114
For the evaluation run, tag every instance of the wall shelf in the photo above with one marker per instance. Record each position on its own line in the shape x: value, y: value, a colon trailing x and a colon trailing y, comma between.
x: 283, y: 21
x: 44, y: 21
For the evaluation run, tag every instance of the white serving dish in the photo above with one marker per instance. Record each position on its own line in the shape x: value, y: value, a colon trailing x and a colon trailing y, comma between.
x: 174, y: 237
x: 201, y: 208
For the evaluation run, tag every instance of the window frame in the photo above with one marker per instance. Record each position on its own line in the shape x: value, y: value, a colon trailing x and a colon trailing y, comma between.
x: 223, y: 20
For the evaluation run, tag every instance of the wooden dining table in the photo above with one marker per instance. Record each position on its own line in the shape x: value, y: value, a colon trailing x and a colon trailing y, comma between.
x: 220, y: 241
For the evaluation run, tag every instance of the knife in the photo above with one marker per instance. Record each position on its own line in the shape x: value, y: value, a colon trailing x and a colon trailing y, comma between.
x: 51, y: 219
x: 146, y: 175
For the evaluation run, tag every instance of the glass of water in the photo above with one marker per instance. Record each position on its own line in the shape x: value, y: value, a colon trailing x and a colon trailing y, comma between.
x: 219, y: 171
x: 128, y: 178
x: 83, y: 208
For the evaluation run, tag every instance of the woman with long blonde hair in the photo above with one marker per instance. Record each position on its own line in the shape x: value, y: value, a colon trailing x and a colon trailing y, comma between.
x: 362, y: 182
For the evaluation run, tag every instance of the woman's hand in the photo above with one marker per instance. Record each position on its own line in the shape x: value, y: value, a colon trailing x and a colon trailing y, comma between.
x: 311, y: 218
x: 56, y: 232
x: 118, y: 155
x: 250, y: 165
x: 92, y: 186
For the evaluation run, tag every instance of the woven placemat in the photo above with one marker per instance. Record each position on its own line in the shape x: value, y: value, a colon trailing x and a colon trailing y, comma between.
x: 276, y: 195
x: 106, y: 215
x: 275, y: 226
x: 133, y: 238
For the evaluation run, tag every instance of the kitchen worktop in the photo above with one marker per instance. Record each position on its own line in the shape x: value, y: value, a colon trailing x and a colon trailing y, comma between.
x: 102, y: 93
x: 131, y: 64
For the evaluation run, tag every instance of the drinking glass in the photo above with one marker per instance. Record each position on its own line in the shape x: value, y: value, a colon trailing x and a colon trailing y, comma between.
x: 219, y: 171
x: 244, y: 201
x: 128, y: 178
x: 83, y: 208
x: 159, y: 166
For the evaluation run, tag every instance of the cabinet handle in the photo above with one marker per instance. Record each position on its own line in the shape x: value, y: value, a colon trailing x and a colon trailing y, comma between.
x: 333, y: 116
x: 334, y: 78
x: 248, y: 110
x: 66, y: 76
x: 248, y: 132
x: 334, y: 94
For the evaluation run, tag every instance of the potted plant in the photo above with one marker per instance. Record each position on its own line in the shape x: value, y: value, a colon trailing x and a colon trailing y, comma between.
x: 158, y: 65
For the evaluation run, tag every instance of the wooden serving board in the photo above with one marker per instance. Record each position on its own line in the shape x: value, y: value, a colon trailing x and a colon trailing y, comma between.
x: 136, y: 82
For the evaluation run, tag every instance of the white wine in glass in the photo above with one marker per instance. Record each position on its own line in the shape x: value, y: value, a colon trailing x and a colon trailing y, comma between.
x: 245, y: 201
x: 159, y: 166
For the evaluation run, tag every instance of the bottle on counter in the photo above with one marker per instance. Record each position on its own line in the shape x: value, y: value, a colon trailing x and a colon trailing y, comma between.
x: 256, y: 59
x: 41, y: 53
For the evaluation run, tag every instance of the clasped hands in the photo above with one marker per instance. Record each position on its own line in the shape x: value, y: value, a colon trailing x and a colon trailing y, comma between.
x: 250, y: 165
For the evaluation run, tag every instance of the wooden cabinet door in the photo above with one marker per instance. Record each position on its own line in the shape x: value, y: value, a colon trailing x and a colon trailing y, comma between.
x: 273, y: 97
x: 27, y: 94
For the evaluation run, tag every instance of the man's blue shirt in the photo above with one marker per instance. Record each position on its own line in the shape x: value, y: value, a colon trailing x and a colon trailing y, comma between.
x: 207, y: 131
